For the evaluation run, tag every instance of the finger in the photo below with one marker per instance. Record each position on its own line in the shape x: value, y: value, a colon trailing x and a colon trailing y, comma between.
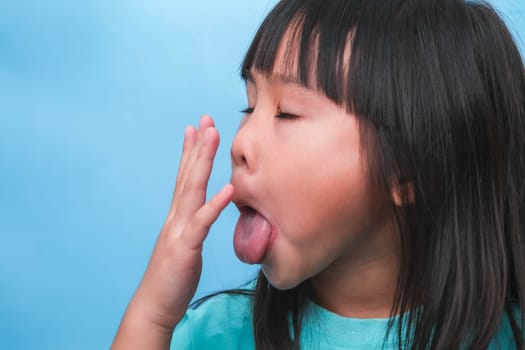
x: 189, y: 140
x: 194, y: 192
x: 192, y: 156
x: 206, y: 122
x: 185, y: 172
x: 188, y: 145
x: 200, y: 224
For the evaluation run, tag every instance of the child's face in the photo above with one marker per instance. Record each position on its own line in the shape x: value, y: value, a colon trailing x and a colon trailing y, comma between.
x: 306, y: 177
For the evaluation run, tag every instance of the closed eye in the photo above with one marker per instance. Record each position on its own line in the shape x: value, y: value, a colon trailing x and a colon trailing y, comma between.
x: 248, y: 110
x: 279, y: 115
x: 282, y: 115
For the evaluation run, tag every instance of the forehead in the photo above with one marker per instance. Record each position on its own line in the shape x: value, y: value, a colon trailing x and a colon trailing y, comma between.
x: 305, y: 50
x: 253, y: 76
x: 289, y: 62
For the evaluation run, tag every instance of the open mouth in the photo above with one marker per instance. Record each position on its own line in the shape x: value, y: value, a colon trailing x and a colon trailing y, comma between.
x: 246, y: 209
x: 252, y: 235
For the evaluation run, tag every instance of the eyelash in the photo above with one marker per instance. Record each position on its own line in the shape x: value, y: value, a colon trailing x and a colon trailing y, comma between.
x: 279, y: 115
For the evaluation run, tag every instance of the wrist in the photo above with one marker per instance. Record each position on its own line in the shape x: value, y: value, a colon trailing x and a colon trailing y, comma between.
x: 136, y: 332
x: 144, y: 314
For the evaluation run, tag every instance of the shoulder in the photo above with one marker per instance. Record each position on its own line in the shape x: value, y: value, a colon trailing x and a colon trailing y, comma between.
x: 504, y: 338
x: 231, y: 308
x: 223, y: 321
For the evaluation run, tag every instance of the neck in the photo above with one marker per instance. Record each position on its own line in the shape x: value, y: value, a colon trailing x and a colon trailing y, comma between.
x: 358, y: 286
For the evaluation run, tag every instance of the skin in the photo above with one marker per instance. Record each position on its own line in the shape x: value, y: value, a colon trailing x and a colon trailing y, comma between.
x: 306, y: 175
x: 174, y: 269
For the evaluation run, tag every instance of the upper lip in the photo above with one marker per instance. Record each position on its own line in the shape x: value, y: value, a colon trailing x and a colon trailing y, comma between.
x: 243, y: 199
x: 242, y: 195
x: 241, y: 204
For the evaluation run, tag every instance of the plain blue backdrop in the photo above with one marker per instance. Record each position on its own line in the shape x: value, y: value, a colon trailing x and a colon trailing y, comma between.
x: 94, y: 98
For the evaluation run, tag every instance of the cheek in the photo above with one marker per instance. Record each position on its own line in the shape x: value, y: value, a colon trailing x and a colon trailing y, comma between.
x: 320, y: 195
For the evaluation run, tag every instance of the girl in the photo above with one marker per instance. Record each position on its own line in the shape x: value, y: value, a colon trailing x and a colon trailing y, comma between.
x: 379, y: 174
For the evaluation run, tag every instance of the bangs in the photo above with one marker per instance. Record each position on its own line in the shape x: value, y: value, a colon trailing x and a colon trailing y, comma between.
x: 307, y: 42
x: 438, y: 90
x: 341, y: 49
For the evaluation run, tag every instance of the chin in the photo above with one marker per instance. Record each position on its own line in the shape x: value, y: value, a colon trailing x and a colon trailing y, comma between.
x: 280, y: 281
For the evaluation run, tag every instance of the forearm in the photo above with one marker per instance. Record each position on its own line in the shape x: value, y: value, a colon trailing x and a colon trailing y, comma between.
x: 137, y: 331
x: 173, y: 273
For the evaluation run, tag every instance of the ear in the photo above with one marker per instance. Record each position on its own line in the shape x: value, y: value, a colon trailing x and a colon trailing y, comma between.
x: 402, y: 193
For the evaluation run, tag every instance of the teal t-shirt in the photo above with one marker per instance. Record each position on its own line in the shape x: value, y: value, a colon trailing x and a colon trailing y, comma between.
x: 225, y: 322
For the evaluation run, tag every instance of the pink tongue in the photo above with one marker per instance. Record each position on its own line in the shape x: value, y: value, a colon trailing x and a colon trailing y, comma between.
x: 251, y: 238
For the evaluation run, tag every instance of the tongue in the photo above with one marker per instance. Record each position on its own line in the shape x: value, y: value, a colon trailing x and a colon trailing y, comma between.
x: 252, y: 235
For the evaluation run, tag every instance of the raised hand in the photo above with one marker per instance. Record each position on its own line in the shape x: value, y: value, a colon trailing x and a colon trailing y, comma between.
x: 173, y: 272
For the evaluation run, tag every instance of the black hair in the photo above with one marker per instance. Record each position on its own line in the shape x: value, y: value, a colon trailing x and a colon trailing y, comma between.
x: 441, y: 84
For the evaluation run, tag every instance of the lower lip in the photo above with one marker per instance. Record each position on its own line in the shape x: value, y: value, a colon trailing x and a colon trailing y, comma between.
x: 273, y: 236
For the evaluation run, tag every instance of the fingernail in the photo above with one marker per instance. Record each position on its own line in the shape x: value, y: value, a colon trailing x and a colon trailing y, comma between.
x: 207, y: 134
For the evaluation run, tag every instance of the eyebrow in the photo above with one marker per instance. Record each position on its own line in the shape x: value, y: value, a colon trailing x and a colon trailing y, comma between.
x: 247, y: 76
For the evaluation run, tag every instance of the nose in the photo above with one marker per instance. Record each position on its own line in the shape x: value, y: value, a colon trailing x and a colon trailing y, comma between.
x: 244, y: 146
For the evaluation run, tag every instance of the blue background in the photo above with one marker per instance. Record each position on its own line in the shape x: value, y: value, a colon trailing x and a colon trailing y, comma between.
x: 94, y: 98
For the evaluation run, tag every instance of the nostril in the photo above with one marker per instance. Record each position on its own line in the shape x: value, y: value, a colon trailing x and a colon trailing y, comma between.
x: 243, y: 146
x: 238, y: 159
